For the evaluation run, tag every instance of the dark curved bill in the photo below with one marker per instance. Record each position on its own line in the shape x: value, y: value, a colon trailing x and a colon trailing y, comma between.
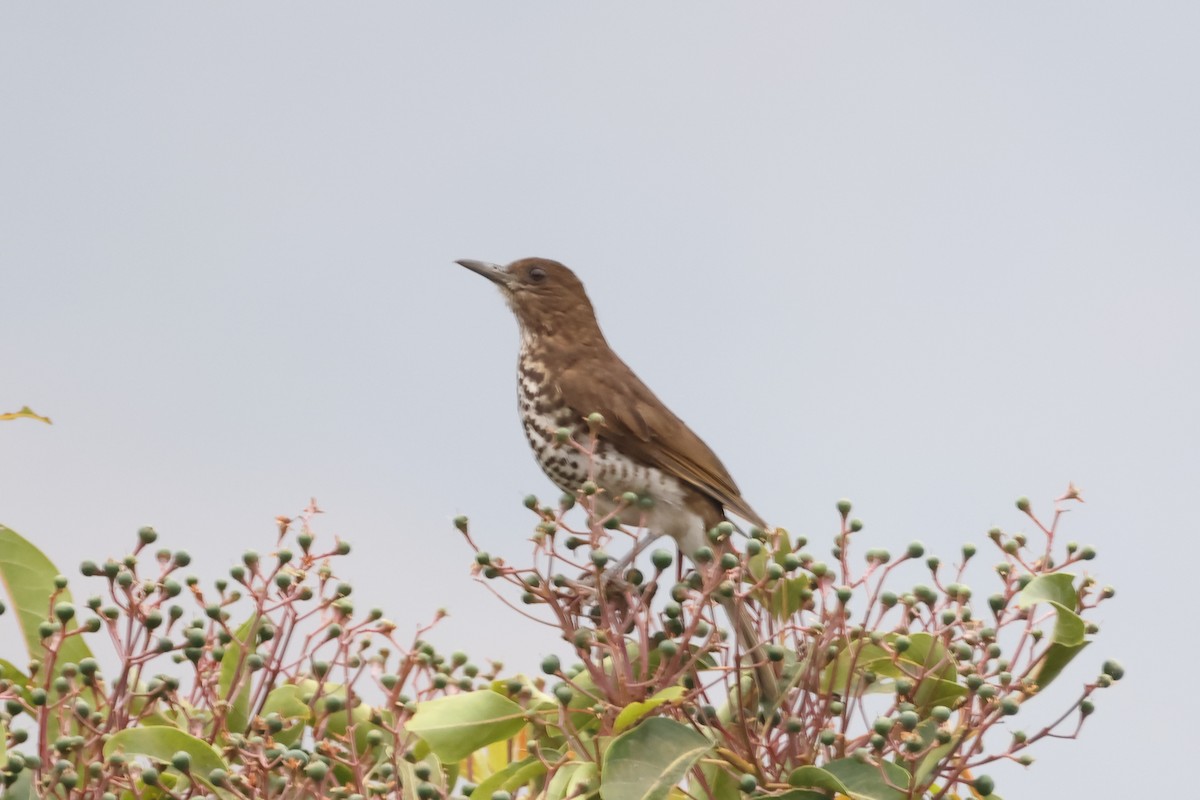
x: 493, y: 272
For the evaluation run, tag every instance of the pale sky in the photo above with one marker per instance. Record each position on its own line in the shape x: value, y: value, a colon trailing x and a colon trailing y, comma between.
x: 928, y: 256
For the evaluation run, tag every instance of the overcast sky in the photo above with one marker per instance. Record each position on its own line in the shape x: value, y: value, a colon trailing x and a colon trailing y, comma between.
x: 927, y: 256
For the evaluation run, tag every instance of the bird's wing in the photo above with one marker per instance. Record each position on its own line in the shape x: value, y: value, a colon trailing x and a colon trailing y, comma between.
x: 638, y: 424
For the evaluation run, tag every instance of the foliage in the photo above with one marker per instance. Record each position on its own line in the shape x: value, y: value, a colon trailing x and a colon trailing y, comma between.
x: 25, y: 412
x: 891, y: 690
x: 268, y: 684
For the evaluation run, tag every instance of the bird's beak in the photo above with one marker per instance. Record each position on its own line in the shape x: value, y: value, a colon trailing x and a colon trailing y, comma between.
x: 493, y: 272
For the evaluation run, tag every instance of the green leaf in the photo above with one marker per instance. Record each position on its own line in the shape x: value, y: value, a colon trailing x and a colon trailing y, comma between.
x: 931, y: 656
x: 560, y: 784
x: 927, y: 730
x: 9, y: 672
x: 1057, y: 588
x: 338, y: 722
x: 25, y: 413
x: 285, y: 701
x: 1068, y: 640
x: 719, y: 783
x: 537, y: 699
x: 233, y: 668
x: 28, y: 577
x: 646, y: 763
x: 21, y: 788
x: 515, y: 775
x: 409, y: 780
x: 854, y: 778
x: 586, y: 693
x: 835, y: 678
x: 1068, y: 628
x: 458, y: 725
x: 162, y: 743
x: 926, y: 660
x: 635, y: 711
x: 1056, y: 659
x: 932, y: 692
x: 585, y: 781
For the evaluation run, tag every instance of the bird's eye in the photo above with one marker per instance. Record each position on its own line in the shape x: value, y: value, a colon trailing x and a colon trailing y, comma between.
x: 537, y: 274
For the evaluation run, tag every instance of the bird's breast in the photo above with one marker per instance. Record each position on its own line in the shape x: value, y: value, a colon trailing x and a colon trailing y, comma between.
x: 544, y: 412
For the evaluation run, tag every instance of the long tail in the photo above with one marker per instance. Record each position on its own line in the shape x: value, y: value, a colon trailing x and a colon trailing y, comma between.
x: 753, y: 649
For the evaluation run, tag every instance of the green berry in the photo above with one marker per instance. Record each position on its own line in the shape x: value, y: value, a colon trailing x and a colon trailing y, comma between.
x: 551, y: 665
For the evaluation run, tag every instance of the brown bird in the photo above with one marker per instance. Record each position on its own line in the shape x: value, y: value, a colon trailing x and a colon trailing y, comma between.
x: 566, y: 371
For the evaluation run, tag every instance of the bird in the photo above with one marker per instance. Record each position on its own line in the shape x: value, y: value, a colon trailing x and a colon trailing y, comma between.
x: 566, y: 371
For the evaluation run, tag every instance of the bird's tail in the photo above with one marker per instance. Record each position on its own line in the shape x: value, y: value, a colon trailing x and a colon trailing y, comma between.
x: 754, y: 649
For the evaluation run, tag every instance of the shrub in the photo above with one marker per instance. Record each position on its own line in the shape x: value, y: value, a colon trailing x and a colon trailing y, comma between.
x: 897, y: 677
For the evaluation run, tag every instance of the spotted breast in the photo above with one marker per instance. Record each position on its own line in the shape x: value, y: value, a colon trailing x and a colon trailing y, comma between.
x: 544, y: 411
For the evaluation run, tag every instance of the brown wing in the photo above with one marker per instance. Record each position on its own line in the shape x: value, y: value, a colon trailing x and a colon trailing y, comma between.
x: 639, y: 425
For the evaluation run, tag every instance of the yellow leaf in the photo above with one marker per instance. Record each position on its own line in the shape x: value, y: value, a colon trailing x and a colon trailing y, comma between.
x: 25, y: 413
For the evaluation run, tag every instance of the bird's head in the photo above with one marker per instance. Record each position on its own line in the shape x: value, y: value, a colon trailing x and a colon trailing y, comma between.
x: 546, y: 297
